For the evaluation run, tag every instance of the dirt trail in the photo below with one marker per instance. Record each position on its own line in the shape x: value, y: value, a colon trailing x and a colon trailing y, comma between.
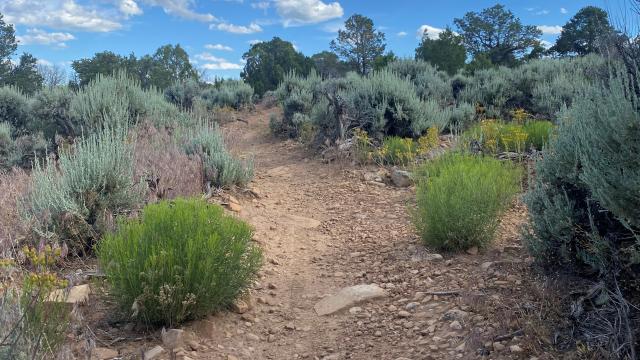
x: 322, y: 227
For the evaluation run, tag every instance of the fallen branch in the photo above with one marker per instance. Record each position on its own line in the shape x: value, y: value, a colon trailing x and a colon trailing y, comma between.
x: 509, y: 336
x: 444, y: 293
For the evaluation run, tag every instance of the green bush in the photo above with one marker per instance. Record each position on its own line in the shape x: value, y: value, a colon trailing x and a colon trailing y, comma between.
x: 538, y: 133
x: 50, y: 114
x: 183, y: 94
x: 229, y: 93
x: 72, y: 200
x: 460, y: 197
x: 14, y: 108
x: 181, y: 260
x: 221, y: 169
x: 398, y: 151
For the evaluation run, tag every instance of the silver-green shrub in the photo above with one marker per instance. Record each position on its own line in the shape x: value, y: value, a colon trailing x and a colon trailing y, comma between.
x: 14, y: 108
x: 50, y: 113
x: 106, y: 97
x: 221, y: 169
x: 232, y: 93
x: 90, y: 183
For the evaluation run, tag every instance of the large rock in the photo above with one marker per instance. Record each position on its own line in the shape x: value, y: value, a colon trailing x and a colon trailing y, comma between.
x: 348, y: 297
x: 401, y: 178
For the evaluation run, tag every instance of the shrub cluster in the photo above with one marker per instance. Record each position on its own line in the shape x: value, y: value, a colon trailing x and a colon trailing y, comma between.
x: 584, y: 208
x: 190, y: 95
x: 72, y: 200
x: 181, y: 260
x: 407, y: 97
x: 459, y: 199
x: 220, y: 168
x: 494, y: 136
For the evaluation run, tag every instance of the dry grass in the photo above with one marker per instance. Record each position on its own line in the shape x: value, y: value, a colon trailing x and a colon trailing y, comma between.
x: 13, y: 185
x: 167, y: 169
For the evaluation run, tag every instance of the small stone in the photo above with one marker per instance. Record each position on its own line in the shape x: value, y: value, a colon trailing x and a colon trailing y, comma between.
x: 271, y: 338
x: 404, y: 314
x: 498, y: 346
x: 472, y: 250
x: 378, y: 333
x: 172, y: 338
x: 347, y: 297
x: 355, y: 310
x: 240, y: 306
x: 411, y: 306
x: 515, y: 349
x: 455, y: 325
x: 101, y: 353
x: 290, y: 326
x: 486, y: 265
x: 272, y: 286
x: 234, y: 207
x: 253, y: 337
x: 401, y: 178
x: 77, y: 295
x: 153, y: 353
x: 231, y: 357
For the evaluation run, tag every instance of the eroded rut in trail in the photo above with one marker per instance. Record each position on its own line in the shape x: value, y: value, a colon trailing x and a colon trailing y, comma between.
x: 322, y: 228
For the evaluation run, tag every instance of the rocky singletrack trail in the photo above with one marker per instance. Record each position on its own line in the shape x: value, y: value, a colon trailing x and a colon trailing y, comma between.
x: 322, y: 228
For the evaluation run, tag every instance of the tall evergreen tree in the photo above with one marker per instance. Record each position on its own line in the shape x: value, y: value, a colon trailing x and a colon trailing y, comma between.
x: 268, y: 62
x: 447, y: 52
x: 8, y: 46
x: 359, y: 43
x: 497, y: 33
x: 581, y: 33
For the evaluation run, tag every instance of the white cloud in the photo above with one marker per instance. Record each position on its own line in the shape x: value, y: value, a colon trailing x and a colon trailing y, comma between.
x: 218, y: 47
x: 401, y: 34
x: 333, y: 27
x: 222, y: 66
x: 208, y: 57
x: 563, y: 10
x: 542, y: 12
x: 181, y: 8
x: 44, y: 62
x: 546, y: 44
x: 262, y: 5
x: 129, y: 7
x: 237, y: 29
x: 212, y: 62
x: 58, y: 14
x: 41, y: 37
x: 300, y: 12
x: 254, y: 41
x: 550, y: 29
x: 429, y: 31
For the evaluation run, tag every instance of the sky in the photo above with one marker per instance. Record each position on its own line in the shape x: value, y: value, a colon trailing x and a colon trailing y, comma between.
x: 216, y: 33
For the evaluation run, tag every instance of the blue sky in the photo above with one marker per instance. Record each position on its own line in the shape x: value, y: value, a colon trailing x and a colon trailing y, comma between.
x: 217, y: 32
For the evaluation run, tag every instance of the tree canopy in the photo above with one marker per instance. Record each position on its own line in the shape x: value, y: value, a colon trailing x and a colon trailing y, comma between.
x: 8, y: 46
x: 25, y: 75
x: 327, y: 64
x: 580, y: 34
x: 359, y: 43
x: 268, y: 62
x: 447, y: 52
x: 169, y: 64
x: 498, y: 33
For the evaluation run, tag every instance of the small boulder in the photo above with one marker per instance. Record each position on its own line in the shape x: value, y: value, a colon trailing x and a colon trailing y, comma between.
x: 172, y: 338
x: 401, y: 178
x: 77, y: 295
x: 153, y: 353
x: 348, y: 297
